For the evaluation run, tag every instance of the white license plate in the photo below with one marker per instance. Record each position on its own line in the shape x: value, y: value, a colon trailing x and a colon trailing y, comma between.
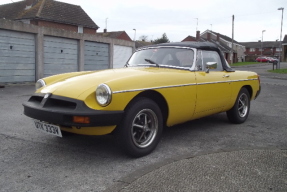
x: 48, y: 128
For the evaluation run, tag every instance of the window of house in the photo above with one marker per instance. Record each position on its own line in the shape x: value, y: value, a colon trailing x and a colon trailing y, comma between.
x: 80, y: 29
x: 252, y: 49
x: 260, y: 49
x: 278, y: 49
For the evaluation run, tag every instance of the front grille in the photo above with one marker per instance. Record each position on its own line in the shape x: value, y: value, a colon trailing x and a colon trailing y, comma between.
x: 52, y: 103
x: 36, y: 99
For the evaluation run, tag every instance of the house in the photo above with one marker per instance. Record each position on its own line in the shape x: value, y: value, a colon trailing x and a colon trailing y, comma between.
x: 238, y: 49
x: 218, y: 39
x: 116, y: 35
x: 265, y: 48
x: 189, y: 38
x: 49, y: 13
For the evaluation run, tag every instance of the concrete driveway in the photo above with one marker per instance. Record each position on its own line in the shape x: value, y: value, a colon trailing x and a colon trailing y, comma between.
x: 208, y: 154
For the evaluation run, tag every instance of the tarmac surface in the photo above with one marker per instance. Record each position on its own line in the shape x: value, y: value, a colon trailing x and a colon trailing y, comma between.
x: 246, y: 170
x: 235, y: 170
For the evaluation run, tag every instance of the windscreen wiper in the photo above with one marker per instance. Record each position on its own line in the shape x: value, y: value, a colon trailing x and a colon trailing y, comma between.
x: 152, y: 62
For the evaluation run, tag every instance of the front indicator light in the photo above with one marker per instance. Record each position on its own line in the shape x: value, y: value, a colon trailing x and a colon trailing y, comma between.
x: 80, y: 119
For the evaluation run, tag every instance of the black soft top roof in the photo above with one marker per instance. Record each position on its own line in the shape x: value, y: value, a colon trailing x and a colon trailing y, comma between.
x: 191, y: 44
x: 197, y: 45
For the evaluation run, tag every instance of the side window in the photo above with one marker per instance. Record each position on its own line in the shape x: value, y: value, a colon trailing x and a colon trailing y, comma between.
x: 212, y: 56
x: 185, y: 57
x: 198, y: 63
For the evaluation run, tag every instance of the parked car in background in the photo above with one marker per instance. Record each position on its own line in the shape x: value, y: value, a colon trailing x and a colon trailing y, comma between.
x: 262, y: 59
x: 272, y: 60
x: 161, y: 85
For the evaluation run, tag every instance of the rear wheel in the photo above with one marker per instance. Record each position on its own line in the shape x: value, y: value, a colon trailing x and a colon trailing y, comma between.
x: 240, y: 111
x: 141, y: 129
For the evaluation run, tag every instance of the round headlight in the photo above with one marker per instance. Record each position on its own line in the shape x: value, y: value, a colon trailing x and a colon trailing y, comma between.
x: 103, y: 94
x: 40, y: 83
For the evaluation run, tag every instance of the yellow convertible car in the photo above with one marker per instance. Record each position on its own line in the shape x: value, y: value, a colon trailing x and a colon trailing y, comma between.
x: 161, y: 85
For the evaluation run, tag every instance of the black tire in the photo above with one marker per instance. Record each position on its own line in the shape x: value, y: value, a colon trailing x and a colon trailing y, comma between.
x: 240, y: 111
x: 141, y: 128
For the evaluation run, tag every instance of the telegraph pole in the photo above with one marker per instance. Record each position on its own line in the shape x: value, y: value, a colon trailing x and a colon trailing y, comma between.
x: 232, y: 39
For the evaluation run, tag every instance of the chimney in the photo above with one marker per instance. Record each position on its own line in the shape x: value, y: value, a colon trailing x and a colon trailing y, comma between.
x: 30, y: 3
x: 105, y: 30
x: 217, y: 37
x: 197, y: 35
x: 208, y: 36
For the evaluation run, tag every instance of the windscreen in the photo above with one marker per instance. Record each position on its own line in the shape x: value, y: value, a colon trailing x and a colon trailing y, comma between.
x: 177, y: 57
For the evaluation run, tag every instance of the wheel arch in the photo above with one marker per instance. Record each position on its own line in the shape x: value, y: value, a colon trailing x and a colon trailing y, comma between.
x: 157, y: 98
x: 249, y: 89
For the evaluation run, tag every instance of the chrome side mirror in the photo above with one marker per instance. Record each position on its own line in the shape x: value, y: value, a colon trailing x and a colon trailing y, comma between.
x: 210, y: 65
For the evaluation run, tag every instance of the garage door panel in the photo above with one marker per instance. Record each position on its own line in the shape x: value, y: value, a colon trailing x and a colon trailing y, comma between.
x: 60, y: 61
x: 121, y: 55
x: 96, y: 56
x: 8, y: 53
x: 24, y: 48
x: 56, y: 56
x: 16, y: 66
x: 54, y: 45
x: 60, y: 55
x: 59, y: 52
x: 23, y: 72
x: 92, y: 58
x: 65, y: 67
x: 17, y: 60
x: 17, y: 50
x: 15, y: 79
x: 90, y: 53
x: 97, y: 67
x: 17, y: 41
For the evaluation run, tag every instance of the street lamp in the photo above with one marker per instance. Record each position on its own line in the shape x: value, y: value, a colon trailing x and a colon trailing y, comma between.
x: 262, y: 44
x: 135, y: 34
x: 280, y: 48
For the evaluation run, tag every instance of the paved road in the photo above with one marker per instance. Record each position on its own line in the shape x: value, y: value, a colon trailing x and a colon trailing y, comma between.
x: 33, y: 161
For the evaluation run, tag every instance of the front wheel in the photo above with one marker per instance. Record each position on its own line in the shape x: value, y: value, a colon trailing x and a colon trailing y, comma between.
x: 141, y: 129
x: 239, y: 112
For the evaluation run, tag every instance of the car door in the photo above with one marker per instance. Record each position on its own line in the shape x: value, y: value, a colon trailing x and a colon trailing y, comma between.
x: 212, y: 82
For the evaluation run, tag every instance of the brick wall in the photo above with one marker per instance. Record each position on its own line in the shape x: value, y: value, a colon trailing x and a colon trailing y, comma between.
x: 90, y: 31
x: 266, y: 52
x: 67, y: 27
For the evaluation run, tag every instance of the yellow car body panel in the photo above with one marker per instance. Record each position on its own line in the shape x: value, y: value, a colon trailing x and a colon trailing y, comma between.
x: 188, y: 94
x: 162, y: 85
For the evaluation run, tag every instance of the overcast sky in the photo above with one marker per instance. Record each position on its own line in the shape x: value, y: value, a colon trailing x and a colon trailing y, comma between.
x: 177, y: 18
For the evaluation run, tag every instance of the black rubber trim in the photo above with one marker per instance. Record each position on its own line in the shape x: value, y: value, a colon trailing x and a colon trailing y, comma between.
x: 258, y: 92
x: 45, y: 110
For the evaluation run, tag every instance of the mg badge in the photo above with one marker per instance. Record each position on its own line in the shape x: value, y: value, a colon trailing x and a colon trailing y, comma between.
x: 46, y: 97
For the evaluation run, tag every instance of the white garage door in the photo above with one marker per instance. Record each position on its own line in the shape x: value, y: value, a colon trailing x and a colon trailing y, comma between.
x: 96, y: 56
x: 17, y: 57
x: 60, y: 55
x: 121, y: 55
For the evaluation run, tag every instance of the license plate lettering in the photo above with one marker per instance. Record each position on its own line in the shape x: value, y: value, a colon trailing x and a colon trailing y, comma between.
x: 48, y: 128
x: 39, y: 125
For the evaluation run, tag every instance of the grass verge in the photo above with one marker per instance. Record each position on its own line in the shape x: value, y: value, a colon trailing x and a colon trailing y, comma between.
x: 281, y: 71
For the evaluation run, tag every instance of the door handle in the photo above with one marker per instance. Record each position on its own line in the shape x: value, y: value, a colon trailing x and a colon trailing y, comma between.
x: 225, y: 76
